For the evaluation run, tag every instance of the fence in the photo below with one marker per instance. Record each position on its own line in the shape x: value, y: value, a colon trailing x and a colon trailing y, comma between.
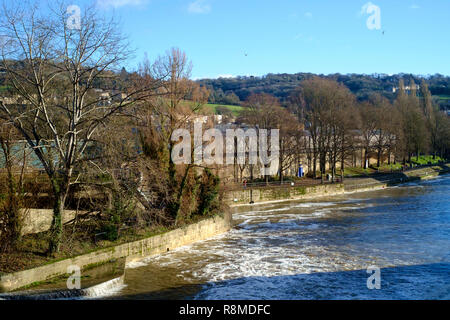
x: 273, y: 184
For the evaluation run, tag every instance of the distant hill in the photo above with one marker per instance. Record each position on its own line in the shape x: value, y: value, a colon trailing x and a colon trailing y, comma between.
x: 232, y: 91
x: 224, y: 90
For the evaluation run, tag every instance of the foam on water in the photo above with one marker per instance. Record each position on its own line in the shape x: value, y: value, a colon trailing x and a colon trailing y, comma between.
x: 105, y: 289
x: 321, y: 250
x: 314, y: 204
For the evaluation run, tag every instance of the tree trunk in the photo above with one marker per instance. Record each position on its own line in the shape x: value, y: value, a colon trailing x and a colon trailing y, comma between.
x: 11, y: 217
x: 179, y: 199
x: 314, y: 166
x: 365, y: 157
x: 379, y: 157
x: 56, y: 229
x: 14, y: 212
x: 235, y: 165
x: 281, y: 175
x: 172, y: 174
x: 323, y: 163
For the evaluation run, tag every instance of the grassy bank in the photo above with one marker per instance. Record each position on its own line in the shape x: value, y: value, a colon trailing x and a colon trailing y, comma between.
x: 235, y: 110
x: 388, y: 168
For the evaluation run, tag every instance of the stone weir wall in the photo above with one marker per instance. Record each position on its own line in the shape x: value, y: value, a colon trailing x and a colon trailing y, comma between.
x: 282, y: 193
x: 131, y: 251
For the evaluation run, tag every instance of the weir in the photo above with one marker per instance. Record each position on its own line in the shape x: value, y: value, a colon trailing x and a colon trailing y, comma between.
x: 315, y: 249
x: 132, y: 251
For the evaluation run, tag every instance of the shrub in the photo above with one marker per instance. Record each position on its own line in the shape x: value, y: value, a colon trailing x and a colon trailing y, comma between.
x: 120, y: 212
x: 209, y: 191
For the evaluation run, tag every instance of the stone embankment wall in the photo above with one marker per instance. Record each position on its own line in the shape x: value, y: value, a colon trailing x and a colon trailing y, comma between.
x: 282, y: 193
x: 132, y: 251
x: 286, y: 192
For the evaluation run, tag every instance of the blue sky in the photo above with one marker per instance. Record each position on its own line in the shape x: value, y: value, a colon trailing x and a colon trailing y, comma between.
x: 249, y: 37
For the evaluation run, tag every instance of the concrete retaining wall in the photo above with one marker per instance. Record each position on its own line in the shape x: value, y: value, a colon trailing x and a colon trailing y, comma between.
x: 132, y: 251
x: 40, y: 220
x: 239, y: 197
x: 284, y: 193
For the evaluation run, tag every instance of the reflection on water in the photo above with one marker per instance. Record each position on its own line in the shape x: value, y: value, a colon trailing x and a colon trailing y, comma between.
x: 315, y: 250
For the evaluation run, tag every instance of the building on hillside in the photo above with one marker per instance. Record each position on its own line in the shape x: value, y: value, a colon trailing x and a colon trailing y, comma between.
x: 407, y: 89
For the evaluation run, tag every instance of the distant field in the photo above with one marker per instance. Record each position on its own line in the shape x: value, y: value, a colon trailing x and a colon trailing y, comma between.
x: 234, y: 109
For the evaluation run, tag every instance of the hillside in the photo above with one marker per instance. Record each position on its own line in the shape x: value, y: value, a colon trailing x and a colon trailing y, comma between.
x: 281, y: 85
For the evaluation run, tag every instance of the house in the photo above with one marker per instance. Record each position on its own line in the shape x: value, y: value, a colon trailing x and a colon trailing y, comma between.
x: 407, y: 89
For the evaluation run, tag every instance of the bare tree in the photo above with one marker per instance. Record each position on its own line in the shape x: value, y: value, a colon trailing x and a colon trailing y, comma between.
x: 12, y: 197
x: 54, y: 68
x: 176, y: 107
x: 323, y: 103
x: 383, y: 114
x: 414, y: 133
x: 261, y: 111
x: 368, y: 128
x: 290, y: 138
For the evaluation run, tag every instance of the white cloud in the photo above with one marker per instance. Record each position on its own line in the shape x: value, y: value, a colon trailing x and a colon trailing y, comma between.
x: 118, y: 3
x: 308, y: 15
x: 414, y: 6
x: 199, y: 7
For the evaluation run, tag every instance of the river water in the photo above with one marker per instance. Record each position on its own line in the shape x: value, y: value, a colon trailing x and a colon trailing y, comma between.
x: 314, y: 250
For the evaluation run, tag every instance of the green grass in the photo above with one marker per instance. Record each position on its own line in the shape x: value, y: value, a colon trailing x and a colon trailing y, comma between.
x: 426, y: 160
x: 357, y: 171
x: 234, y: 109
x: 389, y: 167
x: 212, y: 107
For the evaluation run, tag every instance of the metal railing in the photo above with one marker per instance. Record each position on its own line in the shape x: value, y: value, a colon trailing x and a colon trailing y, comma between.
x: 273, y: 184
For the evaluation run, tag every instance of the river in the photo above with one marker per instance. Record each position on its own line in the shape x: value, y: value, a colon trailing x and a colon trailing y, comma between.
x: 314, y: 250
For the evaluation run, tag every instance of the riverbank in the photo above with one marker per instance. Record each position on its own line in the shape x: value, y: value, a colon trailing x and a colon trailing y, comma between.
x: 132, y: 251
x: 382, y: 181
x: 317, y: 249
x: 202, y: 230
x: 275, y: 194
